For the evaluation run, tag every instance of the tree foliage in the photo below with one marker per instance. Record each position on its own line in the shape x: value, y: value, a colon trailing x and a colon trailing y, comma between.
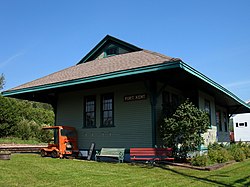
x: 183, y: 129
x: 1, y: 81
x: 23, y: 119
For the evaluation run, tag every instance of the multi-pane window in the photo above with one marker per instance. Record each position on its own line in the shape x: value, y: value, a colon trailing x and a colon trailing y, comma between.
x: 107, y: 110
x: 90, y: 112
x: 207, y: 108
x: 241, y: 124
x: 218, y: 120
x: 112, y: 51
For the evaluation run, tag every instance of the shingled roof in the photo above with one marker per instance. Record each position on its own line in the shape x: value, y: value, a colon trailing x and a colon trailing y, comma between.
x: 127, y: 61
x: 131, y: 60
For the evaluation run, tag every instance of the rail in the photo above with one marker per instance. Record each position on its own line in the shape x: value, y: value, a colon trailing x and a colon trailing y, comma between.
x: 21, y: 148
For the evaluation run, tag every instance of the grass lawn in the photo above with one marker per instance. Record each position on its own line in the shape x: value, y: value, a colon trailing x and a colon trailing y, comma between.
x: 33, y: 170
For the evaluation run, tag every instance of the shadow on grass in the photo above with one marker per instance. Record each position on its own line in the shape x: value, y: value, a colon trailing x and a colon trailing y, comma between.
x: 243, y: 181
x: 193, y: 177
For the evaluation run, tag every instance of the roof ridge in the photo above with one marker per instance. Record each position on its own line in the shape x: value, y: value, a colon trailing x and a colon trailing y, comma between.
x: 104, y: 42
x: 162, y: 55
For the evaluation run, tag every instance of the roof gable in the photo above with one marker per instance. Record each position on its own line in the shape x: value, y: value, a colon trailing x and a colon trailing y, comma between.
x: 132, y: 61
x: 109, y: 46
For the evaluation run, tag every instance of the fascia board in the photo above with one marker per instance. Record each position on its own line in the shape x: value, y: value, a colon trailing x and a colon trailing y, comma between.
x: 194, y: 72
x: 123, y: 73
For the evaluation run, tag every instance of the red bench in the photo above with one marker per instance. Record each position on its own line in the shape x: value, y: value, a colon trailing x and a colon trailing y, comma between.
x: 151, y: 154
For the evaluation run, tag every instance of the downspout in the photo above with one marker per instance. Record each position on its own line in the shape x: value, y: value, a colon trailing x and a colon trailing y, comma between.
x: 152, y: 89
x: 153, y: 101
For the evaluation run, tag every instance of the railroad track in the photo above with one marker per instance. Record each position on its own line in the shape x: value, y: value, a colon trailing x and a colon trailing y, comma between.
x: 21, y: 148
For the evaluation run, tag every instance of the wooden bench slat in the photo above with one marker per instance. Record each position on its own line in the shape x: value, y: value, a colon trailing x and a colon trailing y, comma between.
x: 142, y: 158
x: 151, y: 154
x: 112, y: 153
x: 152, y: 149
x: 107, y: 155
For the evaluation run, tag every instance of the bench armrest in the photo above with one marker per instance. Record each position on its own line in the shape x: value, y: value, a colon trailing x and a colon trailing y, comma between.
x: 97, y: 153
x: 121, y: 156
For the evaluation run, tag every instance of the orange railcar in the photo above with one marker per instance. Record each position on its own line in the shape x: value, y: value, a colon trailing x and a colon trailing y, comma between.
x: 64, y: 142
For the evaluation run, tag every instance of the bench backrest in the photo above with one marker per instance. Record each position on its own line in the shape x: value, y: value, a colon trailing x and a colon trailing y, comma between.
x: 112, y: 151
x: 163, y: 152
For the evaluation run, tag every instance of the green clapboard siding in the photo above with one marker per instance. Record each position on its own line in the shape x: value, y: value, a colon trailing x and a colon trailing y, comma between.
x: 132, y: 119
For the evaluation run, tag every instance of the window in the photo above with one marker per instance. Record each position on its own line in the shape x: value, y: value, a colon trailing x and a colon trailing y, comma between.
x: 218, y: 120
x: 207, y: 108
x: 225, y: 121
x: 112, y: 51
x: 90, y: 112
x: 241, y: 124
x: 68, y: 133
x: 107, y: 110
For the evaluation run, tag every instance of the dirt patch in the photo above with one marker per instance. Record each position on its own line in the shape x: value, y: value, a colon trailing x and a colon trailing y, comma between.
x: 206, y: 168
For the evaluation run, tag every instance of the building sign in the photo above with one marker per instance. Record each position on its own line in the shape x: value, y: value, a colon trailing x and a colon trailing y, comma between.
x: 135, y: 97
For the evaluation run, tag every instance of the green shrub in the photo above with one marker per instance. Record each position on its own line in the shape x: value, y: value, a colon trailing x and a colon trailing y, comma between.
x: 35, y: 129
x: 238, y: 154
x: 218, y: 154
x: 181, y: 130
x: 45, y: 135
x: 215, y: 146
x: 23, y: 130
x: 14, y: 112
x: 246, y: 151
x: 245, y: 148
x: 224, y: 156
x: 200, y: 160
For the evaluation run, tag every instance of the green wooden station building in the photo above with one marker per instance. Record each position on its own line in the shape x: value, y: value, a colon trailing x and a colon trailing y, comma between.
x: 115, y: 94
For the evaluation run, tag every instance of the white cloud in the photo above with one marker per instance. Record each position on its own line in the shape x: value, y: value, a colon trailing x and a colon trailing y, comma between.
x: 10, y: 59
x: 237, y: 84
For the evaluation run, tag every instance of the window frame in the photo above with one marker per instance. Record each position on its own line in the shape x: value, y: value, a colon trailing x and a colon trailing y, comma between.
x: 116, y: 49
x: 241, y: 124
x: 85, y: 125
x: 111, y: 95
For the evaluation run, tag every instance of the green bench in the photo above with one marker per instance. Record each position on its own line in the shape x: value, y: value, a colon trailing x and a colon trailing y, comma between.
x: 115, y: 153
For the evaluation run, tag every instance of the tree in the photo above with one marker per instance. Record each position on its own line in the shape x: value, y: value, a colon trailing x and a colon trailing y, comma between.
x: 23, y: 118
x: 183, y: 129
x: 16, y: 116
x: 2, y: 81
x: 9, y: 116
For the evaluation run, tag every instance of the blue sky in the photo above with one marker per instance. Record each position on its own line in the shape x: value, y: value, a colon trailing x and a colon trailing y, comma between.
x: 43, y: 36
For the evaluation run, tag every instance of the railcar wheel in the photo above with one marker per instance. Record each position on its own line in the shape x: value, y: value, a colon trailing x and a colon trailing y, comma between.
x: 43, y: 153
x: 54, y: 154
